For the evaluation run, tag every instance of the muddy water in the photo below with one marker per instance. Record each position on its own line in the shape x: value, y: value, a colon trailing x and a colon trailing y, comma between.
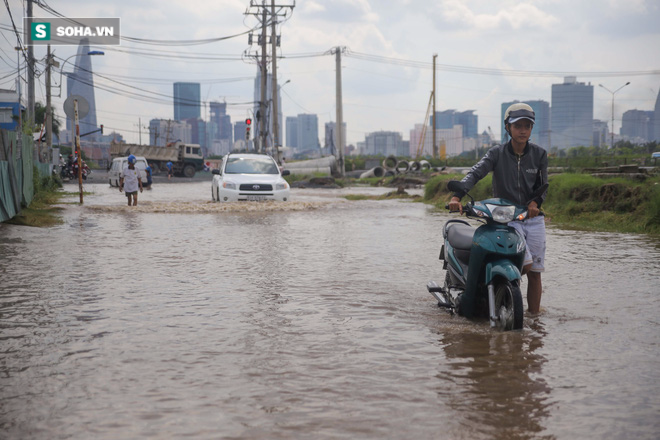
x: 186, y: 319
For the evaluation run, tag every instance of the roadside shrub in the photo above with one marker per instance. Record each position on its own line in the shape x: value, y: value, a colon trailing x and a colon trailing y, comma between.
x: 654, y: 208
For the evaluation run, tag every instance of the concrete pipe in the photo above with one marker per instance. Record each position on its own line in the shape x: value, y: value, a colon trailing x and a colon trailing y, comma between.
x: 402, y: 166
x: 389, y: 173
x: 414, y: 166
x: 374, y: 172
x: 424, y: 164
x: 389, y: 163
x: 355, y: 174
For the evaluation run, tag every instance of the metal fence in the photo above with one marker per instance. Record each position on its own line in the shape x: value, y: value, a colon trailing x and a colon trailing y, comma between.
x: 17, y: 166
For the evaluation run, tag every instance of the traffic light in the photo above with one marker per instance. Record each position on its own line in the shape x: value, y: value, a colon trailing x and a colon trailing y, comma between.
x: 248, y: 123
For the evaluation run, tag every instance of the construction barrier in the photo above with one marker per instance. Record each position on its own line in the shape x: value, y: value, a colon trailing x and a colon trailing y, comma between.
x: 16, y: 173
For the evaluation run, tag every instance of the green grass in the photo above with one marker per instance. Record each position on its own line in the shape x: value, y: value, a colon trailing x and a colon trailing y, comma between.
x: 41, y: 212
x: 581, y: 201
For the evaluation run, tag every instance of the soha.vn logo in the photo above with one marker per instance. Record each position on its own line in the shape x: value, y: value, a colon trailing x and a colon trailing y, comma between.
x: 42, y: 31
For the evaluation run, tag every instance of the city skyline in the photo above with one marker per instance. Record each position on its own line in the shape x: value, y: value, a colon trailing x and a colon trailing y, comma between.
x: 569, y: 119
x: 488, y: 53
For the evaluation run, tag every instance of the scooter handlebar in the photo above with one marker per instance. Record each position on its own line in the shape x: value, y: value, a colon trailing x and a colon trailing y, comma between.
x: 465, y: 207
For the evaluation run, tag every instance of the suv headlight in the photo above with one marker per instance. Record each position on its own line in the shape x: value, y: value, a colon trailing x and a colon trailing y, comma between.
x: 229, y: 185
x: 502, y: 214
x: 281, y: 186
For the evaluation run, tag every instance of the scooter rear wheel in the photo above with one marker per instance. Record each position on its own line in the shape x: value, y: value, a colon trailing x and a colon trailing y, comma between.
x: 508, y: 306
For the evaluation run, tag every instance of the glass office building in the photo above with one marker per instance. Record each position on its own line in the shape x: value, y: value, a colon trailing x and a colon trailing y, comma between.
x: 187, y: 102
x: 572, y: 114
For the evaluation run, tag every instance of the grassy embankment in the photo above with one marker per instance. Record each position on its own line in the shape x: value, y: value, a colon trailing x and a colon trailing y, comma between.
x: 581, y: 201
x: 42, y: 212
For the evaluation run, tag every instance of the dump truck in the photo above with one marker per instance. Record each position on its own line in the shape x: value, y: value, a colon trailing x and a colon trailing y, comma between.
x: 187, y: 159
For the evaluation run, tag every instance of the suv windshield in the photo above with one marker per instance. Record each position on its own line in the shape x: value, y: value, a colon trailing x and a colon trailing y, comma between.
x: 251, y: 165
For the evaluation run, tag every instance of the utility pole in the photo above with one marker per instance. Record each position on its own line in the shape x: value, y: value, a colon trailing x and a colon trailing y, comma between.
x: 78, y: 149
x: 263, y: 123
x: 49, y: 106
x: 19, y: 130
x: 340, y: 116
x: 30, y: 71
x: 140, y: 127
x: 261, y: 136
x: 274, y: 90
x: 435, y: 145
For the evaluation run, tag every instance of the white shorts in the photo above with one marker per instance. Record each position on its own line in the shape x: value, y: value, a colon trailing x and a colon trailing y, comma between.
x: 533, y: 231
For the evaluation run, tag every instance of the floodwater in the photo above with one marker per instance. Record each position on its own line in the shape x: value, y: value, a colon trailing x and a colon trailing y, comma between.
x: 186, y: 319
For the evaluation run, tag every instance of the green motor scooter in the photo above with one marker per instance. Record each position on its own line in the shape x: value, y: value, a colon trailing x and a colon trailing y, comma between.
x: 483, y: 265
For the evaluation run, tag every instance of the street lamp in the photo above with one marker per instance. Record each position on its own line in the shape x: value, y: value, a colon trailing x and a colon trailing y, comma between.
x: 613, y: 93
x: 49, y: 110
x: 90, y: 53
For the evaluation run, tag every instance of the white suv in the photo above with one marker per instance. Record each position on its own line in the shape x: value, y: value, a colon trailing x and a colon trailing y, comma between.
x: 244, y: 176
x: 118, y: 165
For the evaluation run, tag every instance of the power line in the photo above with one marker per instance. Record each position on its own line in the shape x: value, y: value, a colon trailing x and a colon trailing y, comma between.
x: 146, y: 41
x: 494, y: 72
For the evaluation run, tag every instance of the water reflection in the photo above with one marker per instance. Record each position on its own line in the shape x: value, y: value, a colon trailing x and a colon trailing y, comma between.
x: 502, y: 394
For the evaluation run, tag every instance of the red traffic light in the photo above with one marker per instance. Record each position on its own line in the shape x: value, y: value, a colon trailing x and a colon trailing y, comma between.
x: 248, y: 121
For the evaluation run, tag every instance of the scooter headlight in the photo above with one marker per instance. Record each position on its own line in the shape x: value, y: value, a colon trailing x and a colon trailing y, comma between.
x: 502, y: 214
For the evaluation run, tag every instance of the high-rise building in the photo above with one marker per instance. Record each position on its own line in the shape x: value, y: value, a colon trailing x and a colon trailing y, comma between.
x: 541, y: 131
x: 198, y: 132
x: 656, y: 120
x: 449, y: 140
x: 187, y: 103
x: 308, y: 132
x: 221, y: 121
x: 385, y: 143
x: 572, y: 113
x: 292, y: 132
x: 470, y: 123
x: 600, y: 134
x: 447, y: 119
x: 81, y: 82
x: 164, y: 131
x: 637, y: 124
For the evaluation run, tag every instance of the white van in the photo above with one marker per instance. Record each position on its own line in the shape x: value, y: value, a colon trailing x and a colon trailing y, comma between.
x: 119, y: 163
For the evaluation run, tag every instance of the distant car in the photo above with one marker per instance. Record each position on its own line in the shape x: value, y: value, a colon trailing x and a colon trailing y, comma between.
x: 250, y: 177
x: 118, y: 164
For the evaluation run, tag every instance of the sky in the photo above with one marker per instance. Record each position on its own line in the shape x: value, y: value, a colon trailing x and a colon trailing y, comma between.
x: 487, y: 53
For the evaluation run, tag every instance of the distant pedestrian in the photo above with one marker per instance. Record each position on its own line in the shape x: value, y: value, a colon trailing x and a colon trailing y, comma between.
x: 170, y: 170
x: 147, y: 171
x: 130, y: 177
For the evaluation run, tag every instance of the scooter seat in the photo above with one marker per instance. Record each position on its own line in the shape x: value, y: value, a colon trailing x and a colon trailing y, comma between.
x: 460, y: 236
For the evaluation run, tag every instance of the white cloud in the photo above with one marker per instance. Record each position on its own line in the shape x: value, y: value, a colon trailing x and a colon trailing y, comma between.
x: 519, y: 16
x: 540, y: 35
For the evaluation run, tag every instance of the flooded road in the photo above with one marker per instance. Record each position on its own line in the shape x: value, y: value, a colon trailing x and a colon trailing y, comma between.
x: 188, y: 319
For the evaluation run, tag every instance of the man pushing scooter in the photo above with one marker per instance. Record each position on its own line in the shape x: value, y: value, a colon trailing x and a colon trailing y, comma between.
x: 519, y: 169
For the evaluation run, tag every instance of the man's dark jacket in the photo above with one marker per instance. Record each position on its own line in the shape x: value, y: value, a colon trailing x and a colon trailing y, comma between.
x: 515, y: 177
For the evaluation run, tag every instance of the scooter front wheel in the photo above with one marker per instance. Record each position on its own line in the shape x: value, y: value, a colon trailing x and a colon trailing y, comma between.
x: 508, y: 306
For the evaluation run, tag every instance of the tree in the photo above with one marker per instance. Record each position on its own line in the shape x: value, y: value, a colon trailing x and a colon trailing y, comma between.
x: 40, y: 118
